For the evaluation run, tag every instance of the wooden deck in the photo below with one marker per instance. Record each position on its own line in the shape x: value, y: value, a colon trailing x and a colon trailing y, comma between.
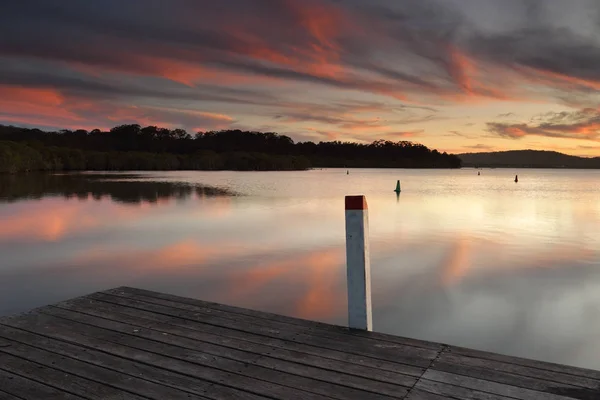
x: 134, y: 344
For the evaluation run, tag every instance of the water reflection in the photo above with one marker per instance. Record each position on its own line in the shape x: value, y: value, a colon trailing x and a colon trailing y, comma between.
x: 472, y: 261
x: 317, y: 275
x: 80, y: 203
x: 122, y: 188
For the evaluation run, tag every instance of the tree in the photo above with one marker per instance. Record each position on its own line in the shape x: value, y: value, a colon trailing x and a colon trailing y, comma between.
x: 133, y: 147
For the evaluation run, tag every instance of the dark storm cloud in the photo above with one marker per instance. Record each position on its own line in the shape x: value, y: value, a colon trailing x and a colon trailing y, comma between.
x: 540, y: 50
x: 557, y: 52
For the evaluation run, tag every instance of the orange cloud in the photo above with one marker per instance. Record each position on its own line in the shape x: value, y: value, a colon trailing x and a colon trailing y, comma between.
x: 179, y: 66
x: 191, y: 73
x: 50, y: 107
x: 401, y: 135
x: 35, y: 105
x: 324, y: 22
x: 560, y: 80
x: 167, y: 117
x: 583, y: 124
x: 49, y: 97
x: 470, y: 77
x: 462, y: 70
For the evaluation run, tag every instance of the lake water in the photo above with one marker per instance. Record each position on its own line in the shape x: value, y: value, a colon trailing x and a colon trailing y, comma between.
x: 475, y: 261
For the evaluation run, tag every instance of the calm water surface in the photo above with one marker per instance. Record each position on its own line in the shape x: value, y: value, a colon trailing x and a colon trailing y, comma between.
x: 476, y: 261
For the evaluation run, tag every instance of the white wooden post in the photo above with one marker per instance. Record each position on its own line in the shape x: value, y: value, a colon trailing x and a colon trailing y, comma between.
x: 358, y: 266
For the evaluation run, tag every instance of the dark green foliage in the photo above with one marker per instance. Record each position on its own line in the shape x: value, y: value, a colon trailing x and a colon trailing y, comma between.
x: 17, y: 157
x: 131, y: 147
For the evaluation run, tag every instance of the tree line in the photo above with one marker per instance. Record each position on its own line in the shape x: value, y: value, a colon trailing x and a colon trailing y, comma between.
x: 131, y: 147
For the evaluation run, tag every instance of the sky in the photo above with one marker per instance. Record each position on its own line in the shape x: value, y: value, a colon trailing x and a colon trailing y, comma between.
x: 456, y: 75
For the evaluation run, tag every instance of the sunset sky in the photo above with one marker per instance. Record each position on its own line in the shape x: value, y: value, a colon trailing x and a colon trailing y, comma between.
x: 456, y: 75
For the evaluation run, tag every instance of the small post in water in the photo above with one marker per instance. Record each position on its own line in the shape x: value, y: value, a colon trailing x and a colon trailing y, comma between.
x: 358, y: 266
x: 397, y: 190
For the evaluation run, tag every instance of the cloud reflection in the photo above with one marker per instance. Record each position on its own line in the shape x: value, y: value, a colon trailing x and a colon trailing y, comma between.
x: 458, y: 262
x: 55, y: 217
x: 318, y: 274
x: 43, y: 224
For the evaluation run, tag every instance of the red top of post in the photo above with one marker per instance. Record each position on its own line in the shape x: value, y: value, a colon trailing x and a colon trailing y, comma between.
x: 356, y: 203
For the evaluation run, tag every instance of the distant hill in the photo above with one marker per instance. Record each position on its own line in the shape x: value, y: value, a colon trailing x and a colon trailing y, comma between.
x: 527, y: 159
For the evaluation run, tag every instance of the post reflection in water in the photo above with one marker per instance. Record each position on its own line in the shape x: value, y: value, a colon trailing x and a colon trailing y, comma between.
x: 455, y: 258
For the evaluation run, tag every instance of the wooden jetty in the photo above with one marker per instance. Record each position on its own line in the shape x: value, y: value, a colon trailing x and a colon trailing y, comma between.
x: 130, y: 343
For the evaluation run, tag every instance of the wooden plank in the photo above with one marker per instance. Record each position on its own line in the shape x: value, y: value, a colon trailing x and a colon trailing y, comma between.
x: 578, y: 393
x: 231, y: 329
x: 409, y: 355
x: 517, y: 369
x: 124, y: 382
x: 490, y: 387
x: 418, y: 394
x: 69, y: 383
x: 507, y: 378
x: 73, y: 332
x: 175, y: 376
x: 456, y: 392
x: 564, y: 369
x: 8, y: 396
x: 173, y: 325
x: 311, y: 379
x: 218, y: 369
x: 26, y: 389
x: 129, y: 343
x: 280, y: 318
x: 126, y: 366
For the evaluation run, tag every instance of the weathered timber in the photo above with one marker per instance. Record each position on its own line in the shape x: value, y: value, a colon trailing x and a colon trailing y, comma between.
x: 127, y: 343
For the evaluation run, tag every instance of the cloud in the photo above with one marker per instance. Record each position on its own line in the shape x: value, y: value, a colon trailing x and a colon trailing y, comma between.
x: 395, y: 136
x: 459, y: 134
x: 545, y: 54
x: 344, y: 122
x: 326, y: 43
x: 335, y: 120
x: 50, y: 108
x: 506, y: 115
x: 583, y: 124
x: 479, y: 146
x: 259, y: 58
